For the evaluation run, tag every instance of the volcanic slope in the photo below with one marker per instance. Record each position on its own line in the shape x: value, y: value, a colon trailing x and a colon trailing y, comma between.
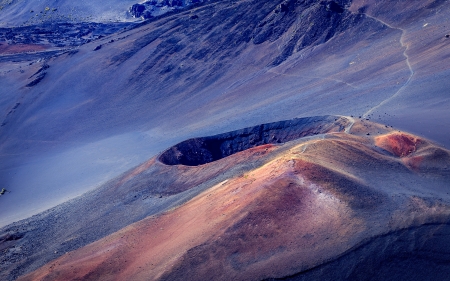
x: 146, y: 190
x: 355, y: 200
x: 210, y: 69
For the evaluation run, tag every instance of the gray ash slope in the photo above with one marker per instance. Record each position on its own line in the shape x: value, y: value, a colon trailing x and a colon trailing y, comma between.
x: 177, y: 51
x: 161, y: 73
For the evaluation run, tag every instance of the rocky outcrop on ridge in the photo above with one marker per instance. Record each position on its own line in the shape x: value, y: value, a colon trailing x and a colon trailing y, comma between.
x: 149, y: 9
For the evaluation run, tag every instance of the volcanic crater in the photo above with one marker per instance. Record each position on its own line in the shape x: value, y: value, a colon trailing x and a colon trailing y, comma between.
x: 293, y: 199
x: 198, y: 151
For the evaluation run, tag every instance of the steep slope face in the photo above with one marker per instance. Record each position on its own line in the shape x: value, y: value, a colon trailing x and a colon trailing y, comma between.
x: 154, y: 63
x: 321, y: 207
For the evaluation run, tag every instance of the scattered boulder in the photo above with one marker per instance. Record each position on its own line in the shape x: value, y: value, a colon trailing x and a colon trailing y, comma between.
x: 334, y: 7
x: 137, y: 10
x: 154, y: 8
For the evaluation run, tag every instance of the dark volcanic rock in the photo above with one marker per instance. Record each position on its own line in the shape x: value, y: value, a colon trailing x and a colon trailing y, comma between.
x: 11, y: 237
x: 38, y: 79
x: 316, y: 23
x: 60, y: 34
x: 42, y: 69
x: 38, y: 76
x: 152, y: 8
x: 137, y: 10
x: 334, y: 7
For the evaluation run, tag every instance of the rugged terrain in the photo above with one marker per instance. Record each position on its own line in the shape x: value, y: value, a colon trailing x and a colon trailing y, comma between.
x: 89, y: 93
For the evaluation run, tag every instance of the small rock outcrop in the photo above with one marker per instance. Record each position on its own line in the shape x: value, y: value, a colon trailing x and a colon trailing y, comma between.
x: 137, y: 10
x: 153, y: 8
x: 38, y: 76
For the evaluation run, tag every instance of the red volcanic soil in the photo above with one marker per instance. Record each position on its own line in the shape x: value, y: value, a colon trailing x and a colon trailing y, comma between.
x: 14, y: 49
x: 312, y: 202
x: 266, y: 217
x: 399, y: 144
x: 417, y: 154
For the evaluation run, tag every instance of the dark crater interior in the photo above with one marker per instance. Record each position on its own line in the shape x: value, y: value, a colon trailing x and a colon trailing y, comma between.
x: 199, y: 151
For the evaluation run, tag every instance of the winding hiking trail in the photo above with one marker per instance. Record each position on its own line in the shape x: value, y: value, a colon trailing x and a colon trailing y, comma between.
x: 349, y: 127
x: 390, y: 98
x: 322, y: 136
x: 411, y: 70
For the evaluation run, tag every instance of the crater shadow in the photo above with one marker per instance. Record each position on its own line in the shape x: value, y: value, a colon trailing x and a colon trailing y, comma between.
x: 203, y: 150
